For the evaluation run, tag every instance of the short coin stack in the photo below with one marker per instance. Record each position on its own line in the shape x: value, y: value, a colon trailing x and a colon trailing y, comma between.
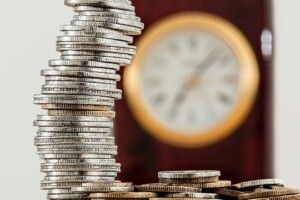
x: 265, y: 189
x: 185, y: 185
x: 74, y: 139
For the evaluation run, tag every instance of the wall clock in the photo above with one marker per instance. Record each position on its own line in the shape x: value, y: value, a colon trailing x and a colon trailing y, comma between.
x: 193, y: 80
x: 167, y: 121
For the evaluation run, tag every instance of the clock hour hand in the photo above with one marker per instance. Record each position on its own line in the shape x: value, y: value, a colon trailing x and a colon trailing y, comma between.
x: 177, y: 101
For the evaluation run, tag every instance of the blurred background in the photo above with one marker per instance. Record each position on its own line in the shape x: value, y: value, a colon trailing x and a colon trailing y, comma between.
x: 245, y: 57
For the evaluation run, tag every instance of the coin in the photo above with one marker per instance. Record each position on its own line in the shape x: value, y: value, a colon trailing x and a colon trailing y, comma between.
x: 188, y: 174
x: 218, y: 184
x: 107, y: 184
x: 110, y: 114
x: 260, y: 182
x: 264, y: 193
x: 82, y: 63
x: 73, y: 156
x: 111, y: 14
x: 162, y: 198
x: 72, y: 118
x: 73, y: 99
x: 99, y: 9
x: 227, y: 192
x: 192, y: 195
x: 160, y: 187
x: 74, y: 107
x: 189, y: 180
x: 67, y: 196
x: 124, y: 195
x: 102, y: 189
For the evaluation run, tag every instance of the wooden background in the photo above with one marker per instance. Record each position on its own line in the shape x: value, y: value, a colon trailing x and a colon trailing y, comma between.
x: 244, y: 155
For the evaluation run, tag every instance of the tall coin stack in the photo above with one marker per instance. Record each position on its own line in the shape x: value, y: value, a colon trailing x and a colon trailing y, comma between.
x: 74, y: 139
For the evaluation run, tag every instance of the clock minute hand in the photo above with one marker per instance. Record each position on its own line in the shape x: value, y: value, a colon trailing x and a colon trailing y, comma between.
x: 204, y: 65
x: 184, y: 89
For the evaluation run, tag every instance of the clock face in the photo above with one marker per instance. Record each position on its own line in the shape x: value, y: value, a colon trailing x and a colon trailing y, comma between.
x: 193, y: 80
x: 190, y: 80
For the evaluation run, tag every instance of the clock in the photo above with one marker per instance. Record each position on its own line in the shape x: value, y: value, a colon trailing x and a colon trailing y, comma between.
x: 193, y: 80
x: 167, y: 118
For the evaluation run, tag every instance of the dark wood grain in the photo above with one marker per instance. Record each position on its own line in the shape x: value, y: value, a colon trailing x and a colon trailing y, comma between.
x: 246, y: 154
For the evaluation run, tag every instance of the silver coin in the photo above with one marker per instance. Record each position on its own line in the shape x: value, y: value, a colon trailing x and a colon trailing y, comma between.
x: 78, y: 178
x: 121, y: 61
x: 98, y: 54
x: 60, y: 191
x: 81, y: 168
x: 47, y: 89
x: 73, y: 123
x: 67, y: 196
x: 111, y: 14
x: 188, y: 174
x: 78, y: 79
x: 51, y: 72
x: 82, y: 33
x: 108, y: 19
x: 49, y: 185
x: 102, y: 189
x: 72, y: 118
x: 63, y: 174
x: 82, y: 63
x: 89, y: 29
x: 78, y: 161
x: 72, y: 135
x: 98, y: 173
x: 192, y: 195
x: 73, y: 99
x: 70, y: 147
x: 97, y: 48
x: 101, y: 3
x: 86, y: 69
x: 257, y: 183
x: 74, y: 150
x: 81, y: 84
x: 65, y: 141
x: 127, y: 30
x: 74, y: 156
x: 101, y: 9
x: 89, y: 40
x: 74, y: 129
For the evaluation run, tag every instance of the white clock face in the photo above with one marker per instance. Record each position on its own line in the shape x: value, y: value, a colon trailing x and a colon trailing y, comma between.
x: 190, y: 80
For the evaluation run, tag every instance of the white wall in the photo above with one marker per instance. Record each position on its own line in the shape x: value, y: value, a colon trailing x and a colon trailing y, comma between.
x: 27, y: 42
x: 28, y: 31
x: 287, y: 92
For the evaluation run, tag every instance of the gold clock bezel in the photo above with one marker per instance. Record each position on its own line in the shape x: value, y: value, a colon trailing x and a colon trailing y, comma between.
x: 249, y: 79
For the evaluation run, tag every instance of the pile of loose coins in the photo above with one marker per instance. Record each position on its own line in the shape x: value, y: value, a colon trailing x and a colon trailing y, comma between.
x: 74, y: 138
x: 265, y: 189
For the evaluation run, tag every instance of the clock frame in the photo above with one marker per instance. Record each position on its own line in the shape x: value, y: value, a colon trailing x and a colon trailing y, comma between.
x: 248, y: 80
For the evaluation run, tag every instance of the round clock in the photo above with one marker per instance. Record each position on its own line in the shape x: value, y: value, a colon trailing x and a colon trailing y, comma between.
x: 193, y: 80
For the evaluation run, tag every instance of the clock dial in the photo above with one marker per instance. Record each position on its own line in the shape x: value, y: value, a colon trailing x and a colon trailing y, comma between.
x: 193, y: 80
x: 190, y: 80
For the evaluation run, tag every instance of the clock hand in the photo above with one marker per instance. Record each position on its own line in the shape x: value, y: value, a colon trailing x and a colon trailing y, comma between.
x: 201, y: 68
x: 204, y: 65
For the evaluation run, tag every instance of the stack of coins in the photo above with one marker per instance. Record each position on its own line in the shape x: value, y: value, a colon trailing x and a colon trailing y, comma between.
x: 265, y: 189
x: 112, y: 191
x: 74, y: 139
x: 183, y: 185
